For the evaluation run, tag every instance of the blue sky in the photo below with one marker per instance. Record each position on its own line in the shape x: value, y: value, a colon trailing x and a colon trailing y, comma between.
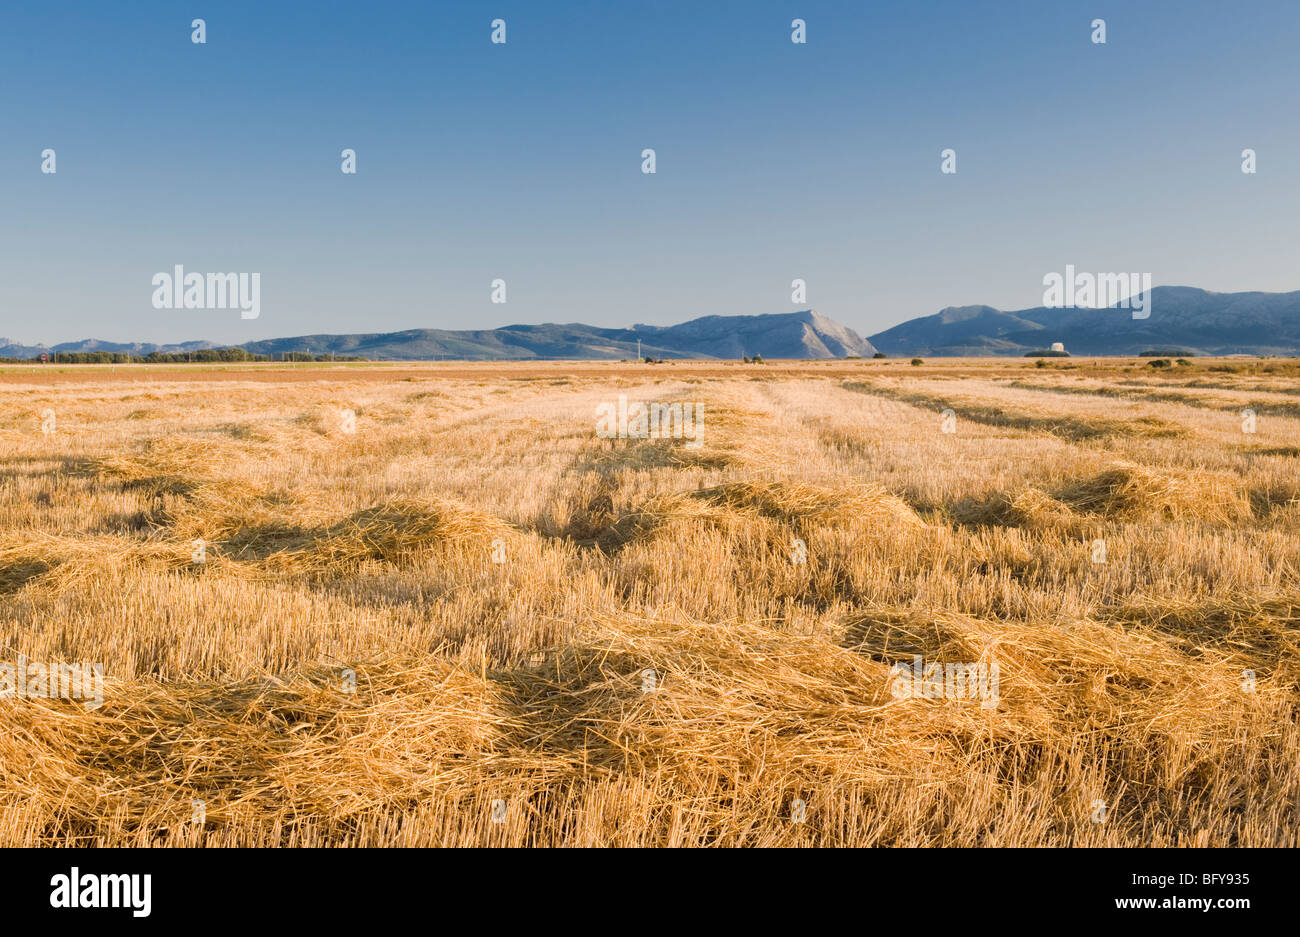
x: 774, y: 160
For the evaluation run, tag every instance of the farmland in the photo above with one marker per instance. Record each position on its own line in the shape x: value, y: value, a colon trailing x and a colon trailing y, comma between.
x: 432, y: 605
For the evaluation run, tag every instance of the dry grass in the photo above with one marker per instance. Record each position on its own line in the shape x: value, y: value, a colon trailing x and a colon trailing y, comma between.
x: 1123, y: 492
x: 473, y: 622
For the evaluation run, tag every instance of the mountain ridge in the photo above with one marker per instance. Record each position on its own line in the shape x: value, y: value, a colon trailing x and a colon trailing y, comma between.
x: 1182, y: 318
x: 806, y: 334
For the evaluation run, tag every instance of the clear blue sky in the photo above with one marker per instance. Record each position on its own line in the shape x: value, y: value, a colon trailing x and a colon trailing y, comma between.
x: 522, y: 161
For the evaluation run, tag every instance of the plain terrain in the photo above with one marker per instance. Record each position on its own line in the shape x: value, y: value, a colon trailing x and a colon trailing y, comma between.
x: 437, y: 609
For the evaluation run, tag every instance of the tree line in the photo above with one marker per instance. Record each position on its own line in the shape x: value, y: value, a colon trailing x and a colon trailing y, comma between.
x: 203, y: 356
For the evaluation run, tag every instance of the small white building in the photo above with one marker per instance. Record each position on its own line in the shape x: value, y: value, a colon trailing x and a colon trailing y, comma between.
x: 1058, y: 346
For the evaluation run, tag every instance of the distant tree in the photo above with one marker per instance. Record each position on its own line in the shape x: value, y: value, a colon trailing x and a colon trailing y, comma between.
x: 916, y: 362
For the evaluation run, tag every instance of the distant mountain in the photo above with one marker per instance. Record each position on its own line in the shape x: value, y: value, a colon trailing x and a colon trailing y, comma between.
x: 805, y: 334
x: 1182, y: 318
x: 11, y: 349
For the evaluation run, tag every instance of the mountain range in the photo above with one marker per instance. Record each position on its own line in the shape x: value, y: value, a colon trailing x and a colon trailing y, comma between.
x: 1182, y: 319
x: 806, y: 334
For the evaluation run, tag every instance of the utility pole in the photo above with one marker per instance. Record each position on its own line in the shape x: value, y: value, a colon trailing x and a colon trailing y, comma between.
x: 638, y: 349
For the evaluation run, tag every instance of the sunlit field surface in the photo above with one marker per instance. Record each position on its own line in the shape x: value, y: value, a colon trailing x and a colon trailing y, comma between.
x: 436, y: 608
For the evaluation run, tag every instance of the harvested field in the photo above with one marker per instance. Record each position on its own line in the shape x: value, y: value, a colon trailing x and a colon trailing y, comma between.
x: 433, y: 605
